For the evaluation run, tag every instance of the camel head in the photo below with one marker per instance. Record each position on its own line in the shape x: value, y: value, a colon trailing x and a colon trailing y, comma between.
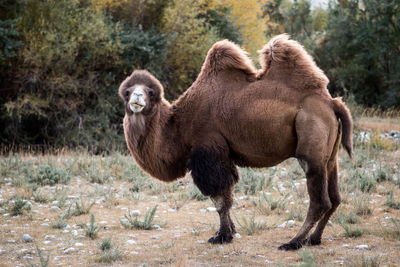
x: 141, y: 92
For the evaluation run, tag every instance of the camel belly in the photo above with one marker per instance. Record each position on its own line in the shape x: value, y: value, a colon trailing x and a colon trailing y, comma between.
x: 261, y: 135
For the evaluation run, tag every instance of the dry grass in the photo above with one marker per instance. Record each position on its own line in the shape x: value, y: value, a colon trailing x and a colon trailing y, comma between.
x: 181, y: 225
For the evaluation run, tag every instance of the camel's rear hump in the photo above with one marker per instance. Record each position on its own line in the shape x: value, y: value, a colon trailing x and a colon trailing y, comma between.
x: 287, y: 60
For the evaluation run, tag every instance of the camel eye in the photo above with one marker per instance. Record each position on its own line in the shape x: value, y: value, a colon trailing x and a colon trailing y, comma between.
x: 151, y: 92
x: 127, y: 93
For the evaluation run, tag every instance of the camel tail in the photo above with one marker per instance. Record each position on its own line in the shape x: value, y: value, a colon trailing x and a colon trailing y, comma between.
x: 343, y: 113
x: 225, y: 55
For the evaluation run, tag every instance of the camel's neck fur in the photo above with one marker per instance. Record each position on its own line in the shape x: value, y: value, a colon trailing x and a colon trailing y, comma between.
x: 153, y: 140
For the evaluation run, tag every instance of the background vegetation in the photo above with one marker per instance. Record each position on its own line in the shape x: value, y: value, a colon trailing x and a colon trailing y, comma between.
x: 61, y: 61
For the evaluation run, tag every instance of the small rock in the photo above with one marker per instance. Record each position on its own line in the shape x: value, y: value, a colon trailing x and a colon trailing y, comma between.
x: 69, y: 250
x: 22, y: 251
x: 131, y: 242
x: 54, y: 208
x: 79, y: 244
x: 27, y: 238
x: 237, y: 235
x: 362, y: 247
x: 74, y: 232
x: 203, y: 210
x: 290, y: 223
x: 329, y: 223
x: 282, y: 225
x: 2, y: 251
x: 103, y: 222
x: 156, y: 226
x: 50, y: 237
x: 212, y: 209
x: 55, y: 202
x: 243, y: 197
x: 135, y: 213
x: 172, y: 210
x: 124, y: 221
x: 44, y: 224
x: 46, y: 242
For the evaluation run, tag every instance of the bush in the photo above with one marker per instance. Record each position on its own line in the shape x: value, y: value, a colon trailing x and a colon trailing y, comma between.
x: 48, y: 174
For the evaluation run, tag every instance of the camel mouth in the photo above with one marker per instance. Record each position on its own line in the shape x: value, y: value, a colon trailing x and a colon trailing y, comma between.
x: 136, y: 107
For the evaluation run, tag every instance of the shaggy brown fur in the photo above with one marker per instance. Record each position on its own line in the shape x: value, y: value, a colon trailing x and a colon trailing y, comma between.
x: 231, y: 116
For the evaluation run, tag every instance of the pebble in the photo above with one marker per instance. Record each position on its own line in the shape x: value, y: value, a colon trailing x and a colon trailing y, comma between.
x: 135, y: 213
x: 172, y: 210
x: 50, y: 237
x: 79, y: 244
x: 2, y: 251
x: 156, y: 226
x: 44, y: 224
x: 74, y: 232
x: 131, y: 242
x: 203, y: 210
x: 212, y: 209
x: 54, y: 208
x: 69, y: 250
x: 46, y: 242
x: 362, y: 247
x: 290, y: 223
x: 282, y: 225
x: 237, y: 235
x: 27, y: 238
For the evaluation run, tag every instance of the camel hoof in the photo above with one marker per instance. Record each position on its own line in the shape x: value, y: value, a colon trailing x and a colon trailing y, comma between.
x: 291, y: 246
x: 312, y: 241
x: 220, y: 239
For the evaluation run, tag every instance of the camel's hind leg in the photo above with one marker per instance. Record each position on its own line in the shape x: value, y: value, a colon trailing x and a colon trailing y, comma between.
x: 334, y: 195
x: 313, y: 152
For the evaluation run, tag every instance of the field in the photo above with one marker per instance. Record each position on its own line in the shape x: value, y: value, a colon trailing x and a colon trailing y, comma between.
x: 77, y: 209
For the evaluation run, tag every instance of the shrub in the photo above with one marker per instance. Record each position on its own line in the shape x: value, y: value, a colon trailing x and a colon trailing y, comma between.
x: 251, y: 226
x: 146, y: 224
x: 48, y: 174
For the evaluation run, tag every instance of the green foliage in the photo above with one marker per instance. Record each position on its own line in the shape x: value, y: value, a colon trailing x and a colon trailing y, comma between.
x: 251, y: 181
x: 44, y: 262
x: 48, y: 174
x: 360, y: 50
x: 92, y: 229
x: 250, y: 226
x: 146, y: 224
x: 197, y: 195
x: 308, y: 259
x: 18, y: 206
x: 9, y: 44
x: 391, y: 202
x: 106, y: 244
x: 189, y: 36
x: 352, y: 232
x: 220, y: 19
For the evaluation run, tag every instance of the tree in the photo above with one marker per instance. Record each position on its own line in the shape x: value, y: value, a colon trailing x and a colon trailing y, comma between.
x: 361, y: 51
x: 189, y: 39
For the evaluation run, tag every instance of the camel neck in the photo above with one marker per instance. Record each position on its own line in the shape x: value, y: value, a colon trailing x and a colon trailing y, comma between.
x: 156, y: 147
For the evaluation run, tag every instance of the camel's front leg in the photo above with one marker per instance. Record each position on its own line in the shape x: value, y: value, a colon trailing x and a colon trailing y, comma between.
x: 216, y: 175
x: 223, y: 203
